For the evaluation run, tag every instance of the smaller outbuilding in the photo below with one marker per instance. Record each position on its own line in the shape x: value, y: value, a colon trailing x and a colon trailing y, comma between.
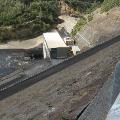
x: 76, y: 50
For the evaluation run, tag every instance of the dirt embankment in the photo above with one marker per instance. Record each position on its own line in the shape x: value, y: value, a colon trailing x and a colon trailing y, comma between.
x: 104, y: 26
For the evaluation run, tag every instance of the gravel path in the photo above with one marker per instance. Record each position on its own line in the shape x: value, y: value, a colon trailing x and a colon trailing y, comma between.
x: 26, y: 44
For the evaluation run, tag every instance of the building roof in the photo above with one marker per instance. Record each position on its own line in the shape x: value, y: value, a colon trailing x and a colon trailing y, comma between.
x: 54, y: 40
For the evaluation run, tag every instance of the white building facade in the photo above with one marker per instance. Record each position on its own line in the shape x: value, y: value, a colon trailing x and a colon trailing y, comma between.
x: 54, y: 46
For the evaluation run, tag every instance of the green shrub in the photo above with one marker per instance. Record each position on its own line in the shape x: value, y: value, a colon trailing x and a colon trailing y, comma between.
x: 94, y: 5
x: 80, y: 24
x: 86, y: 6
x: 90, y: 17
x: 108, y: 4
x: 5, y: 35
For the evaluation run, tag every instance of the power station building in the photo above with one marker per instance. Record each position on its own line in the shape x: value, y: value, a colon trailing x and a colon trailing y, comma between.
x: 54, y: 47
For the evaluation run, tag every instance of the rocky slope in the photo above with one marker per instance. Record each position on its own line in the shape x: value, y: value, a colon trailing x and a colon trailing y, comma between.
x: 103, y: 26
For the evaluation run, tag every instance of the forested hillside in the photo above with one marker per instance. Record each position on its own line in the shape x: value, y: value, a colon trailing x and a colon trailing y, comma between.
x: 23, y: 19
x: 86, y: 7
x: 26, y: 18
x: 89, y: 5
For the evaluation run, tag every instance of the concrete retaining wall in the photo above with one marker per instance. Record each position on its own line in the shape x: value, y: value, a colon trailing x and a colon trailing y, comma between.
x: 101, y: 104
x: 99, y: 107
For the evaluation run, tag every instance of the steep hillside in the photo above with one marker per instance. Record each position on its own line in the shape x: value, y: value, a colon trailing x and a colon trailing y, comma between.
x: 26, y: 18
x: 83, y: 5
x: 86, y: 8
x: 103, y: 27
x: 98, y: 21
x: 108, y: 4
x: 23, y: 19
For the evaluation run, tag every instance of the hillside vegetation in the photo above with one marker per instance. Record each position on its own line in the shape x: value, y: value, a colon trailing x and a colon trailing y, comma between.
x: 23, y: 19
x: 109, y: 4
x: 87, y: 7
x: 90, y: 5
x: 83, y: 6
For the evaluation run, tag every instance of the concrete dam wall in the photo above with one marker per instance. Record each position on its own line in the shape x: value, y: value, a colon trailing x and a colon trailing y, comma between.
x: 16, y: 85
x: 69, y: 90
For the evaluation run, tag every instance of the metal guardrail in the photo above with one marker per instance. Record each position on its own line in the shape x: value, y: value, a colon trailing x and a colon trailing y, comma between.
x: 16, y: 85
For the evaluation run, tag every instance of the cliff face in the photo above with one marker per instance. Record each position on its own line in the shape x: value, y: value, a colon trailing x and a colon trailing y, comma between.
x: 103, y: 27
